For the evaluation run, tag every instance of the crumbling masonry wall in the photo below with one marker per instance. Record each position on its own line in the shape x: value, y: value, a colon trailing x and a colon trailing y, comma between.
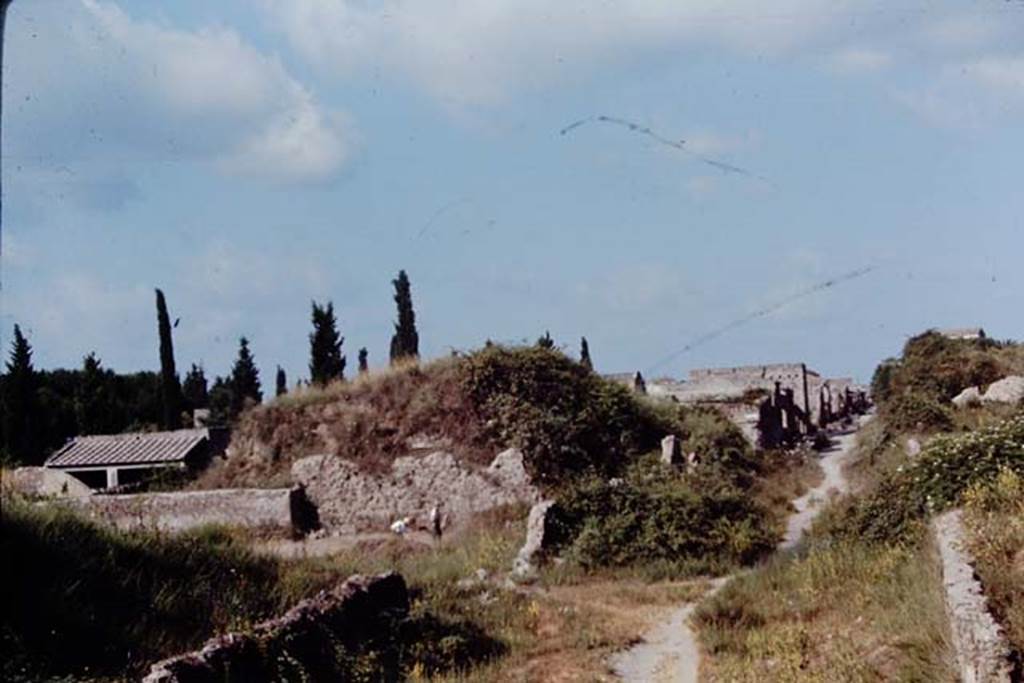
x: 271, y: 509
x: 350, y: 500
x: 303, y: 644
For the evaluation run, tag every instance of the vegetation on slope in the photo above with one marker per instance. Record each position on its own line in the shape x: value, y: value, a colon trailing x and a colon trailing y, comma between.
x: 845, y: 611
x: 994, y: 519
x: 567, y: 420
x: 933, y: 481
x: 78, y: 597
x: 913, y: 392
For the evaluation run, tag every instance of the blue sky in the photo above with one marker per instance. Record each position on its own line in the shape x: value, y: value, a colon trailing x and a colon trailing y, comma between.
x: 248, y: 157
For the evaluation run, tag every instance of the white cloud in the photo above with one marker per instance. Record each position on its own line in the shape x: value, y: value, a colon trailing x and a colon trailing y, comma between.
x: 143, y: 89
x: 860, y: 60
x: 483, y: 51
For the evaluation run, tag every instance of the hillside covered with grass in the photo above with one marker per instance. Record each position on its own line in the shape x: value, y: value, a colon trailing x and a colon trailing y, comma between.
x: 566, y: 419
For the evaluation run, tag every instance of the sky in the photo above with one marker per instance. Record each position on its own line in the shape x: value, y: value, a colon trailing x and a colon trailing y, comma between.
x: 250, y: 157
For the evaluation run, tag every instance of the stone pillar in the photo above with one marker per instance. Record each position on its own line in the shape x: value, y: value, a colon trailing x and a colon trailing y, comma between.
x: 671, y: 453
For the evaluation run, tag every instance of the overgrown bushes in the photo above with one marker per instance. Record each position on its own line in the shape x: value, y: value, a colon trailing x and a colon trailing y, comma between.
x: 946, y: 468
x: 914, y: 391
x: 655, y: 515
x: 566, y: 419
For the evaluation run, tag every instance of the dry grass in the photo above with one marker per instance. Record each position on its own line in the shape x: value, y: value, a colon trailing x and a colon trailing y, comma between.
x: 842, y: 613
x: 785, y: 477
x: 994, y: 521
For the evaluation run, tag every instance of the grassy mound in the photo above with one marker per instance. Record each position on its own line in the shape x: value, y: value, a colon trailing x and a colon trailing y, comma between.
x: 565, y: 418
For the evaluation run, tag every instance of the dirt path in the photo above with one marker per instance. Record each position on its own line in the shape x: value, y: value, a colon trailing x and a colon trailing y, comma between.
x: 810, y: 504
x: 669, y: 650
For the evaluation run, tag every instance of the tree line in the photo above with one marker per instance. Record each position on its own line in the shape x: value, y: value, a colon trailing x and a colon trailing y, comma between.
x: 43, y: 408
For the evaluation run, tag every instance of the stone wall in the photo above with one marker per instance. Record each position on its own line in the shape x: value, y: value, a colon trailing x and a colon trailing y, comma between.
x: 303, y: 643
x: 982, y: 651
x: 42, y: 482
x: 272, y: 509
x: 350, y: 500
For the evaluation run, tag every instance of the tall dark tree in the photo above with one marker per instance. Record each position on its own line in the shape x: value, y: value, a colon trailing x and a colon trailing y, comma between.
x: 585, y: 354
x: 326, y: 363
x: 95, y: 412
x: 194, y: 388
x: 364, y: 363
x: 21, y: 417
x: 281, y: 381
x: 546, y: 342
x: 405, y: 343
x: 170, y: 388
x: 245, y: 381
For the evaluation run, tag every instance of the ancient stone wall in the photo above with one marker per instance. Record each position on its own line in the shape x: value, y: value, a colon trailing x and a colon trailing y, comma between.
x: 787, y: 373
x: 982, y: 651
x: 303, y: 644
x: 181, y: 510
x: 350, y: 500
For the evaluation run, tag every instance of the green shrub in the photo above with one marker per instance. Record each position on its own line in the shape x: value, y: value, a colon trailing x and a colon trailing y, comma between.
x: 566, y: 419
x: 655, y: 514
x: 947, y: 467
x: 917, y: 411
x: 914, y: 390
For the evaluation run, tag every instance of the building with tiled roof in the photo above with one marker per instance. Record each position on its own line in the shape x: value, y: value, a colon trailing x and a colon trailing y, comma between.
x: 963, y: 333
x: 112, y: 460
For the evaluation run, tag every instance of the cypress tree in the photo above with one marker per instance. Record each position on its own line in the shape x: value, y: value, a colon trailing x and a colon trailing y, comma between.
x: 194, y: 388
x: 326, y: 363
x: 245, y: 381
x: 585, y: 354
x: 406, y: 341
x: 364, y: 364
x: 21, y: 417
x: 282, y: 382
x: 546, y: 342
x: 170, y: 388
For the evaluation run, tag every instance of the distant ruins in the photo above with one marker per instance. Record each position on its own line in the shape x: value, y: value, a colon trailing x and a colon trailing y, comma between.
x: 775, y: 405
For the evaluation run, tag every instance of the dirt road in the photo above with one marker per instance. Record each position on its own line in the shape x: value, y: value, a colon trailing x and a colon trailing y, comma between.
x: 669, y: 650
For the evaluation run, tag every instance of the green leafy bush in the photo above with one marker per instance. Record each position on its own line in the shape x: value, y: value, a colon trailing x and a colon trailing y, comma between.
x: 914, y: 391
x: 655, y: 514
x: 947, y: 467
x: 566, y: 419
x: 917, y: 411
